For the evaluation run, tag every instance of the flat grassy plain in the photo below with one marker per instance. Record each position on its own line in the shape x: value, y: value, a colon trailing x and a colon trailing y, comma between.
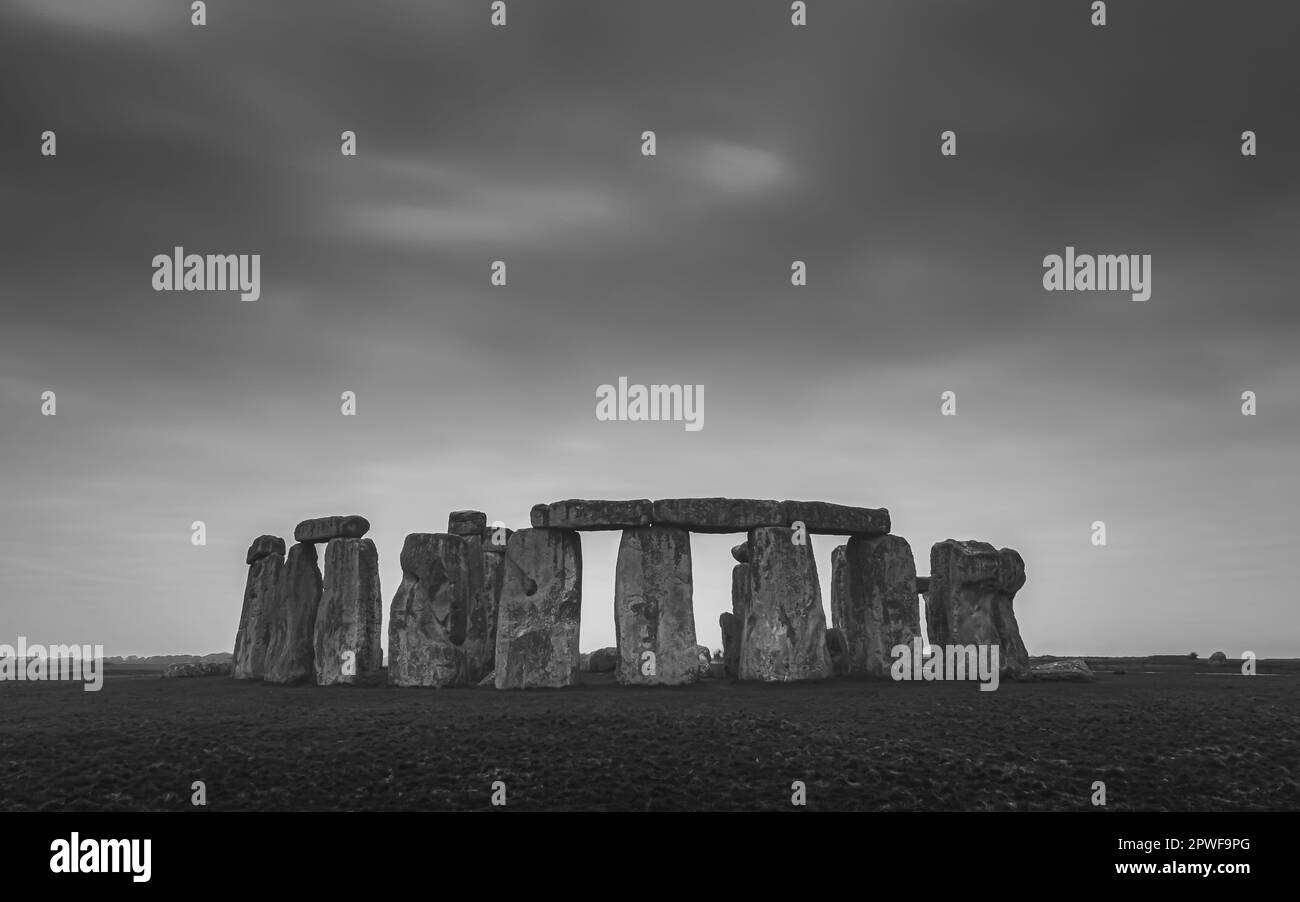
x: 1186, y: 737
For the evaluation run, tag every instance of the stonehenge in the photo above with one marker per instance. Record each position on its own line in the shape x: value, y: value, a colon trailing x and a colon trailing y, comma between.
x: 482, y: 605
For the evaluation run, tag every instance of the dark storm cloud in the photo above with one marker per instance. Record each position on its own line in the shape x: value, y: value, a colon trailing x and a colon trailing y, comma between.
x: 522, y: 144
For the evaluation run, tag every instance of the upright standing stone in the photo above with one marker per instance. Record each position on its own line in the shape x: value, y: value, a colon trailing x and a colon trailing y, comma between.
x: 785, y: 630
x: 740, y: 594
x: 290, y: 653
x: 731, y: 627
x: 485, y: 568
x: 877, y: 610
x: 654, y: 614
x: 540, y: 610
x: 839, y: 586
x: 346, y: 641
x: 972, y: 587
x: 427, y: 621
x: 838, y: 653
x: 265, y: 560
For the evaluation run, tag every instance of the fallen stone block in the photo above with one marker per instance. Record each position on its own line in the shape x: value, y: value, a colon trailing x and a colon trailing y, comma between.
x: 1072, y: 670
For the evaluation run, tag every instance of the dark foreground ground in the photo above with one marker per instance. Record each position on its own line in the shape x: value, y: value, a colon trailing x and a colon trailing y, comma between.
x: 1178, y: 739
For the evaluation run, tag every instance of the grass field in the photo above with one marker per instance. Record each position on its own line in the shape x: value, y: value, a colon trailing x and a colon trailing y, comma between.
x: 1183, y: 738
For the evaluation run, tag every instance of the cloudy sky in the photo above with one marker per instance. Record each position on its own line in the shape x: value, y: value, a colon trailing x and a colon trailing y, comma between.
x: 775, y: 143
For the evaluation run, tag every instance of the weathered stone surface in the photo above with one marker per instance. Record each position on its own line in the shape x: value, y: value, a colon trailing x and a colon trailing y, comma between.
x: 496, y: 539
x: 740, y: 592
x: 654, y: 614
x: 290, y: 652
x: 784, y: 637
x: 879, y: 610
x: 731, y: 626
x: 540, y: 610
x: 264, y: 546
x: 591, y: 515
x: 197, y: 669
x: 489, y: 680
x: 254, y: 631
x: 324, y: 529
x: 923, y: 585
x: 972, y: 586
x: 486, y: 570
x: 346, y: 642
x: 824, y: 518
x: 466, y: 523
x: 428, y: 620
x: 716, y: 515
x: 703, y: 658
x: 837, y: 652
x: 603, y: 660
x: 839, y: 586
x: 1070, y: 670
x: 741, y: 552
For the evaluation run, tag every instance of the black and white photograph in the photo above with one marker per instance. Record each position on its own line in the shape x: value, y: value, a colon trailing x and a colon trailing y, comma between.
x: 654, y: 408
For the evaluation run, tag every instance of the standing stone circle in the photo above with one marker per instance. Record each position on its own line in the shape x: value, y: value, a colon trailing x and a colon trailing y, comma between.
x: 540, y: 611
x: 654, y: 614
